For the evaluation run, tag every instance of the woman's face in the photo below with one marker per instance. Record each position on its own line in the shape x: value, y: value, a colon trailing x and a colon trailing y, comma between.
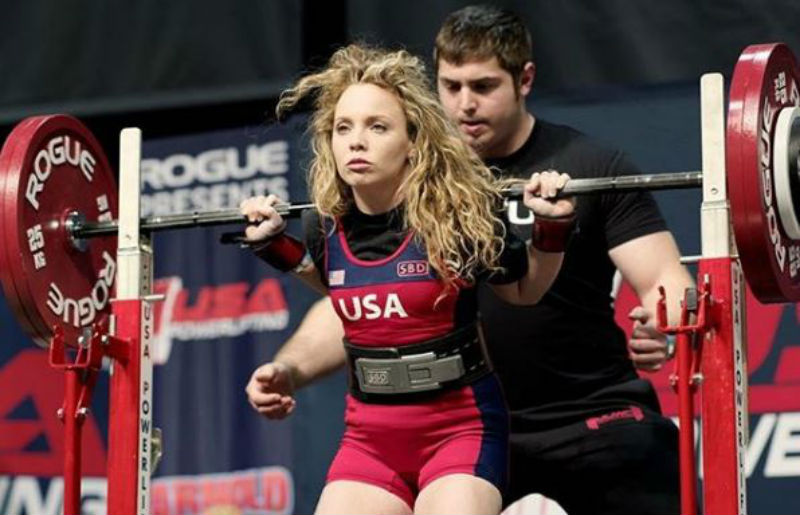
x: 370, y: 140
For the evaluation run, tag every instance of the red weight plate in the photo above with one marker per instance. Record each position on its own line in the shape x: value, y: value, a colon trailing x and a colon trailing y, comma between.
x: 764, y: 81
x: 10, y: 291
x: 50, y: 166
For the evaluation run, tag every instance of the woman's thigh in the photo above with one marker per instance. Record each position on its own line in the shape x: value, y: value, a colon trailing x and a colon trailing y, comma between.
x: 357, y: 498
x: 459, y: 493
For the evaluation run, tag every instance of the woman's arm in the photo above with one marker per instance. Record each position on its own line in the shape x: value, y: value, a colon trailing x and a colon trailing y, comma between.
x: 554, y: 220
x: 266, y: 236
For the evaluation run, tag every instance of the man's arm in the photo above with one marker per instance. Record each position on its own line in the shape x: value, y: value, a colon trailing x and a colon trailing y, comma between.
x: 315, y: 349
x: 646, y: 263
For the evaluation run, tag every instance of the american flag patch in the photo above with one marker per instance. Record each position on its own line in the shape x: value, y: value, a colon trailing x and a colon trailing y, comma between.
x: 336, y: 277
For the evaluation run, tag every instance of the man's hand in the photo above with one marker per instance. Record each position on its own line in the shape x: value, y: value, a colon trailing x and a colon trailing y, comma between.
x: 270, y: 390
x: 647, y: 347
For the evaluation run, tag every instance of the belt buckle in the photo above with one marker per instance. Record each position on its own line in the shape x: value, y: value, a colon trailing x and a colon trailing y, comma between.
x: 406, y: 374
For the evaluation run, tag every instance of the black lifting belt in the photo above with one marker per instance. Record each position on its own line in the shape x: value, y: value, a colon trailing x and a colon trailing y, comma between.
x: 419, y: 371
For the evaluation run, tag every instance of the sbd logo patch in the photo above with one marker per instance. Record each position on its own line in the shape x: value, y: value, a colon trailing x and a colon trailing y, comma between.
x: 412, y: 268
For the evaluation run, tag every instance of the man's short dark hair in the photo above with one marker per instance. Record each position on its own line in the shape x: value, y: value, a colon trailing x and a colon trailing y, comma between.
x: 480, y: 32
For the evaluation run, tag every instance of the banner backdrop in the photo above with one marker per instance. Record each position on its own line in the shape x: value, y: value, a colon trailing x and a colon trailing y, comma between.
x: 224, y: 313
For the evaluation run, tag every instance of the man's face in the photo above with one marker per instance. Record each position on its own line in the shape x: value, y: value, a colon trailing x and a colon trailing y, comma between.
x: 481, y: 97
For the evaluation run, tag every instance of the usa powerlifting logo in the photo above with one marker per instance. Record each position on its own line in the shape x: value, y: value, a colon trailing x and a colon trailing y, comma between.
x: 215, y: 311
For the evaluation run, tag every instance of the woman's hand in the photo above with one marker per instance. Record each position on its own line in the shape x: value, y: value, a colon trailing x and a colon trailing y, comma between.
x: 541, y: 190
x: 265, y: 222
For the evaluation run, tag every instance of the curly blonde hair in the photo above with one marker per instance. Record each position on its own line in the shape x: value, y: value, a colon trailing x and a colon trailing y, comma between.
x: 451, y: 198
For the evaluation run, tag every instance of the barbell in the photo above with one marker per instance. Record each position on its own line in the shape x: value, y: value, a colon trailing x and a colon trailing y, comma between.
x: 80, y: 229
x: 58, y: 202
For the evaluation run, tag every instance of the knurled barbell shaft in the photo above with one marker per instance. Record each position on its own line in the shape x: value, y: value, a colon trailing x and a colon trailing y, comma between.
x: 659, y: 181
x: 181, y: 221
x: 656, y: 181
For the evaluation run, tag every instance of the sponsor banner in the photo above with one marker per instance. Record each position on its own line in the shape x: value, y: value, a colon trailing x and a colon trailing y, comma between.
x: 29, y: 495
x: 773, y: 355
x: 224, y: 169
x: 259, y: 491
x: 262, y: 491
x: 31, y: 435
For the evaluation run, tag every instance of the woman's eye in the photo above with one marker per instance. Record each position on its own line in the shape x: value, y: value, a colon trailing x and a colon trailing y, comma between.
x: 379, y: 127
x: 341, y: 129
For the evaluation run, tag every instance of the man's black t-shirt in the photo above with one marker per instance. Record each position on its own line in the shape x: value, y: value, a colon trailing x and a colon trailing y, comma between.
x: 565, y: 357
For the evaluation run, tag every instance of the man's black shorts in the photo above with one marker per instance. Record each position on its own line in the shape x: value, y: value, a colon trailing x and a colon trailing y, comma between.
x: 623, y: 461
